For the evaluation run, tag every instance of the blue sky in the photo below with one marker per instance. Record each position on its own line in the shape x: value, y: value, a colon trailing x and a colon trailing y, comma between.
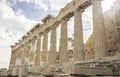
x: 18, y: 16
x: 31, y: 12
x: 36, y: 9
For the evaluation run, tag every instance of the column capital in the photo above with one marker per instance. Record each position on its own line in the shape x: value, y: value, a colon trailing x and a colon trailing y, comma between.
x: 65, y: 19
x: 35, y: 37
x: 79, y: 9
x: 53, y: 27
x: 32, y: 40
x: 39, y: 36
x: 46, y: 31
x: 29, y: 41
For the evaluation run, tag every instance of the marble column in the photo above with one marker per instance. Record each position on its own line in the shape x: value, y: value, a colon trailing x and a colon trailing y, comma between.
x: 63, y: 49
x: 78, y: 36
x: 116, y: 10
x: 100, y: 42
x: 45, y: 48
x: 20, y: 52
x: 12, y: 61
x: 20, y: 55
x: 27, y: 52
x: 14, y: 58
x: 52, y: 53
x: 38, y: 51
x: 32, y: 51
x: 23, y: 54
x: 28, y: 56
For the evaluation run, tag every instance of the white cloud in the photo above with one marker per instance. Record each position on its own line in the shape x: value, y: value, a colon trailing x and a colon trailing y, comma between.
x: 38, y: 4
x: 57, y: 5
x: 19, y: 12
x: 12, y: 26
x: 44, y: 4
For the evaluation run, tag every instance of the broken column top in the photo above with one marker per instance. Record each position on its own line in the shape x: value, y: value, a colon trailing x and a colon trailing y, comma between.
x: 47, y: 18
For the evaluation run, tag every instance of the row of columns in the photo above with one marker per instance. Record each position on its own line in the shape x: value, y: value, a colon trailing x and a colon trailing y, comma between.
x: 100, y: 43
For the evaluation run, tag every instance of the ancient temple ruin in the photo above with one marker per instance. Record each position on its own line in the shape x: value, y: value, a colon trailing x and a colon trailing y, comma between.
x: 98, y: 56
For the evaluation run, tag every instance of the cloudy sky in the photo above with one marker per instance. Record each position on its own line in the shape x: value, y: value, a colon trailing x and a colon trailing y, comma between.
x: 18, y: 16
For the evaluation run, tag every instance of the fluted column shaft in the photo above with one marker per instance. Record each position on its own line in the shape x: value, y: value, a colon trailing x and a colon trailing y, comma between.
x: 27, y: 52
x: 45, y: 48
x: 12, y: 61
x: 52, y: 54
x: 38, y: 51
x: 63, y: 49
x: 100, y: 42
x: 78, y: 36
x: 23, y: 55
x: 14, y: 58
x: 117, y: 24
x: 32, y: 53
